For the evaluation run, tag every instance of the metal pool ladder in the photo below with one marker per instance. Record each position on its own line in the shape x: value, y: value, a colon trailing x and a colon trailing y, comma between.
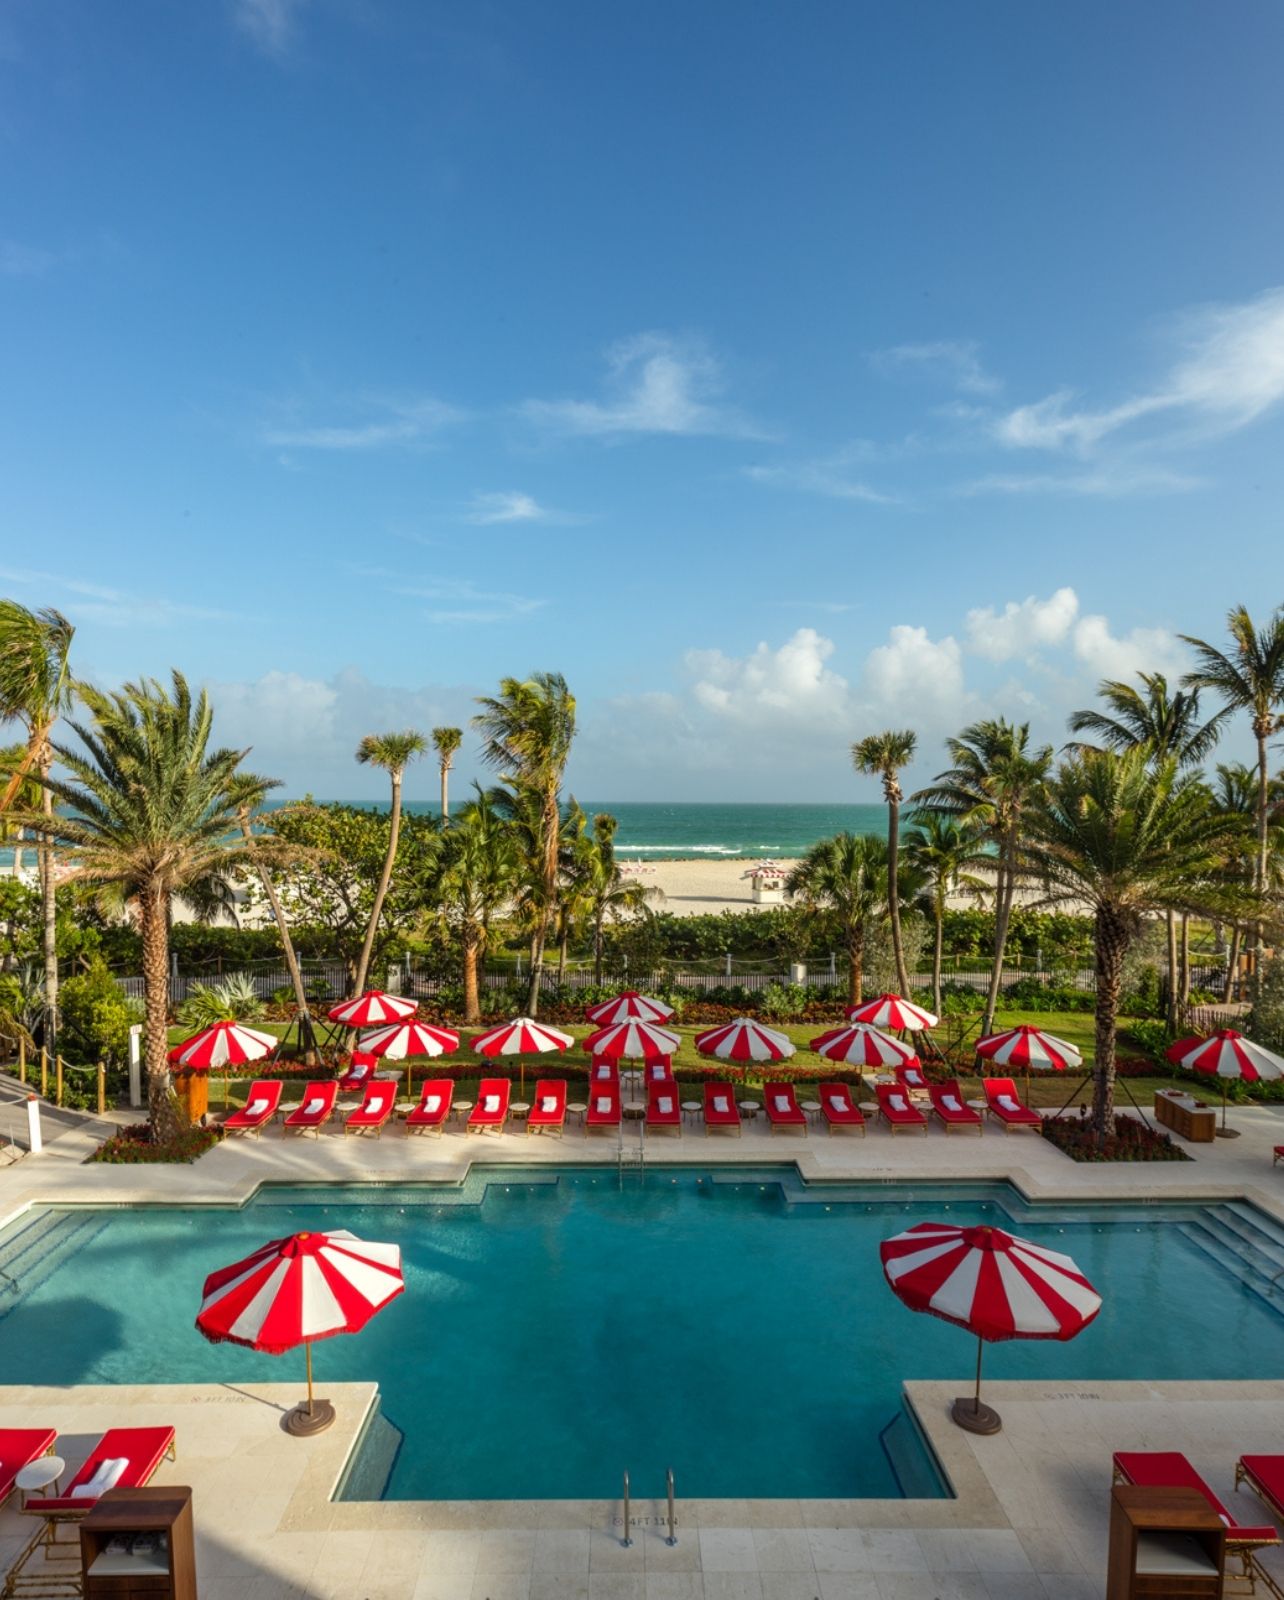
x: 627, y: 1156
x: 672, y: 1515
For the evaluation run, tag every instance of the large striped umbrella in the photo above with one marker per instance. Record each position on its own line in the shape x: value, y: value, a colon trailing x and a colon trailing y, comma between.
x: 401, y: 1040
x: 371, y: 1008
x: 862, y: 1045
x: 294, y: 1290
x: 633, y: 1041
x: 521, y: 1037
x: 1031, y: 1048
x: 626, y: 1006
x: 1226, y: 1054
x: 994, y: 1285
x: 890, y: 1011
x: 744, y: 1040
x: 223, y: 1044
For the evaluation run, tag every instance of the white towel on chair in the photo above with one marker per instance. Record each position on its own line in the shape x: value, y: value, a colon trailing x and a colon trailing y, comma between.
x: 375, y: 1106
x: 950, y: 1102
x: 603, y: 1104
x: 897, y: 1102
x: 664, y: 1105
x: 490, y: 1104
x: 548, y: 1104
x: 781, y: 1102
x: 257, y: 1106
x: 1008, y: 1103
x: 720, y: 1103
x: 837, y: 1102
x: 313, y: 1107
x: 432, y: 1102
x: 106, y: 1476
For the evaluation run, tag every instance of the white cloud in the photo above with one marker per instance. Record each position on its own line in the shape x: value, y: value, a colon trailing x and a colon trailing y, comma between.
x: 1105, y: 481
x: 1023, y: 627
x: 913, y: 676
x: 460, y: 600
x: 790, y: 685
x: 511, y: 505
x: 375, y: 423
x: 1140, y: 650
x: 270, y: 23
x: 1231, y: 371
x: 956, y: 360
x: 826, y: 477
x: 84, y: 601
x: 657, y: 384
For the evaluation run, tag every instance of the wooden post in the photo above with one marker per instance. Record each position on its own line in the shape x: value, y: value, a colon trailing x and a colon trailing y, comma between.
x: 22, y: 1061
x: 44, y: 1073
x: 102, y: 1089
x: 58, y: 1079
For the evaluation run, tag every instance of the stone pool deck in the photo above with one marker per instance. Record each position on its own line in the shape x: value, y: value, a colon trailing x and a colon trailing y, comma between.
x: 1031, y: 1507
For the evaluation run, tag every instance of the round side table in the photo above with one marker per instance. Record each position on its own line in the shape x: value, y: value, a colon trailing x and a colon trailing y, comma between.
x: 520, y: 1108
x: 38, y: 1477
x: 869, y: 1107
x: 461, y: 1108
x: 691, y: 1109
x: 577, y: 1108
x: 811, y: 1108
x: 751, y: 1108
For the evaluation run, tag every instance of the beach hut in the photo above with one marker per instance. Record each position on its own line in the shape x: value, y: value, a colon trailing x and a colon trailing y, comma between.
x: 766, y: 883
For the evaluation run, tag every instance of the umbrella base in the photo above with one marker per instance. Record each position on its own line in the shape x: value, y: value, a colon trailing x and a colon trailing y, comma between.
x: 975, y: 1418
x: 1228, y: 1133
x: 303, y: 1423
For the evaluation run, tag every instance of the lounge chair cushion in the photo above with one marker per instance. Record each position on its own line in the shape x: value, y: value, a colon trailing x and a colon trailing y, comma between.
x: 664, y: 1104
x: 548, y: 1104
x: 603, y: 1104
x: 490, y: 1104
x: 720, y: 1103
x: 781, y: 1102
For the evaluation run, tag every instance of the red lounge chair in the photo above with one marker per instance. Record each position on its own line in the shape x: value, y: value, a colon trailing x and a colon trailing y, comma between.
x: 895, y: 1109
x: 315, y: 1109
x: 548, y: 1113
x: 379, y: 1103
x: 1265, y: 1477
x: 838, y: 1109
x: 430, y: 1115
x: 361, y: 1068
x: 720, y: 1108
x: 603, y: 1107
x: 491, y: 1111
x: 1001, y: 1098
x: 261, y: 1105
x: 19, y: 1447
x: 1169, y: 1469
x: 663, y: 1108
x: 949, y: 1105
x: 912, y: 1079
x: 660, y: 1071
x: 1279, y: 1154
x: 783, y: 1110
x: 124, y: 1458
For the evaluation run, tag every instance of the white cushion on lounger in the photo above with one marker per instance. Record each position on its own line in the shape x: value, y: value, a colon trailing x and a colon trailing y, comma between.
x: 106, y: 1476
x: 313, y: 1107
x: 1007, y: 1102
x: 548, y: 1104
x: 490, y: 1103
x: 432, y: 1102
x: 362, y: 1071
x: 375, y: 1106
x: 781, y: 1102
x: 897, y: 1102
x: 603, y: 1104
x: 951, y: 1102
x: 914, y: 1078
x: 664, y: 1104
x: 603, y: 1070
x: 719, y: 1102
x: 837, y: 1102
x: 257, y: 1106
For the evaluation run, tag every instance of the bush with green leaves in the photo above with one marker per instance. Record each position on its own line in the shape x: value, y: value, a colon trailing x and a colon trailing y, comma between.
x: 235, y: 999
x: 95, y: 1017
x: 1266, y: 1020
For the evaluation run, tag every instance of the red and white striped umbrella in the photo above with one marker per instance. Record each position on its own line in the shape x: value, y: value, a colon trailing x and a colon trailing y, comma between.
x: 223, y: 1044
x: 371, y: 1008
x: 520, y: 1037
x: 862, y: 1045
x: 633, y: 1041
x: 1031, y: 1048
x: 744, y: 1040
x: 1227, y: 1054
x: 404, y: 1039
x: 890, y: 1011
x: 294, y: 1290
x: 628, y: 1006
x: 994, y: 1285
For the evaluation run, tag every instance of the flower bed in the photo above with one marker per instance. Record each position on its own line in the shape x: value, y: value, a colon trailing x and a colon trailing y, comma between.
x: 1132, y: 1140
x: 134, y: 1147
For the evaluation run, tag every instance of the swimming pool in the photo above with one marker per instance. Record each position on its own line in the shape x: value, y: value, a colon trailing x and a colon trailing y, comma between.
x: 559, y: 1326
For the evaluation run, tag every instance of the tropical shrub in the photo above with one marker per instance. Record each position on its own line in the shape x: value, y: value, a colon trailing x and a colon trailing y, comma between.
x: 134, y: 1146
x: 96, y: 1017
x: 233, y: 999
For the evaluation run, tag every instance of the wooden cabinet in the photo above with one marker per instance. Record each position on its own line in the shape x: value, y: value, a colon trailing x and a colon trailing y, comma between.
x: 136, y: 1544
x: 1185, y: 1115
x: 1165, y: 1544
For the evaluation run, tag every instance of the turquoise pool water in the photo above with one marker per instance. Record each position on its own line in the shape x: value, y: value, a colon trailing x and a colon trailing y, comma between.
x: 558, y: 1327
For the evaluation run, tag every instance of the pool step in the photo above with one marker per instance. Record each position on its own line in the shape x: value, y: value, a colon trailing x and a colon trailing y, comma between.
x: 1255, y: 1259
x: 36, y: 1251
x: 373, y: 1460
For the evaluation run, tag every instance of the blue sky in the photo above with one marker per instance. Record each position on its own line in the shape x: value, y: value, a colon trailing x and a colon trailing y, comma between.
x: 776, y: 373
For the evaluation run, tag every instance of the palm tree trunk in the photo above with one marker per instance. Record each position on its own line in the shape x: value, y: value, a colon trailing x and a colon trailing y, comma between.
x: 1171, y: 999
x: 551, y: 824
x: 307, y: 1038
x: 50, y: 892
x: 445, y: 803
x: 855, y: 970
x: 1004, y: 889
x: 561, y: 956
x: 937, y: 943
x: 381, y: 893
x: 894, y: 892
x: 597, y: 950
x: 1263, y: 848
x: 1232, y: 964
x: 162, y: 1104
x: 1111, y: 947
x: 1185, y: 958
x: 472, y: 1001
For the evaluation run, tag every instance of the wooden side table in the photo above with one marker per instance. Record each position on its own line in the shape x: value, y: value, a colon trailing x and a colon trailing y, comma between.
x: 1164, y: 1544
x: 138, y: 1542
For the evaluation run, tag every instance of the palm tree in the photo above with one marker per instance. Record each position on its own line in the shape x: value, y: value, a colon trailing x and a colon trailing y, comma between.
x: 996, y: 777
x: 393, y: 752
x: 605, y: 893
x: 478, y: 867
x: 26, y: 798
x: 149, y: 808
x: 446, y: 741
x: 248, y: 793
x: 1235, y: 793
x: 35, y: 689
x: 942, y: 850
x: 848, y: 877
x: 528, y: 729
x: 1166, y: 725
x: 1249, y: 677
x: 883, y: 755
x: 1125, y: 836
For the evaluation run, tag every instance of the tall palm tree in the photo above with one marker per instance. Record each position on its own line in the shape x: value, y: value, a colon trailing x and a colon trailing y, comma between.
x: 477, y: 869
x: 249, y: 792
x: 393, y: 753
x: 605, y: 893
x: 528, y: 729
x: 149, y: 808
x: 883, y: 755
x: 1125, y: 836
x: 445, y: 742
x: 35, y: 690
x: 994, y: 780
x: 846, y: 876
x: 1166, y: 725
x: 942, y: 851
x: 1249, y: 677
x: 1234, y: 791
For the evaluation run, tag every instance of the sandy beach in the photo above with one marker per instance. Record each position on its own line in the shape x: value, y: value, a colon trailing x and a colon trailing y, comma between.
x: 695, y: 888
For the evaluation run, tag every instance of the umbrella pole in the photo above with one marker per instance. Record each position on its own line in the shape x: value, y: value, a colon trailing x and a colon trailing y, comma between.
x: 307, y: 1350
x: 976, y: 1398
x: 1224, y: 1132
x: 968, y: 1412
x: 314, y: 1417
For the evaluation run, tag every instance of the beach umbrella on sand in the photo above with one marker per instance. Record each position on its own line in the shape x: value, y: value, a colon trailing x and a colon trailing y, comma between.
x: 633, y: 1041
x: 295, y: 1290
x: 862, y: 1045
x: 627, y: 1006
x: 744, y: 1040
x: 368, y: 1010
x: 890, y: 1011
x: 521, y: 1037
x: 223, y: 1044
x: 994, y: 1285
x: 401, y: 1040
x: 1030, y: 1048
x: 1226, y: 1054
